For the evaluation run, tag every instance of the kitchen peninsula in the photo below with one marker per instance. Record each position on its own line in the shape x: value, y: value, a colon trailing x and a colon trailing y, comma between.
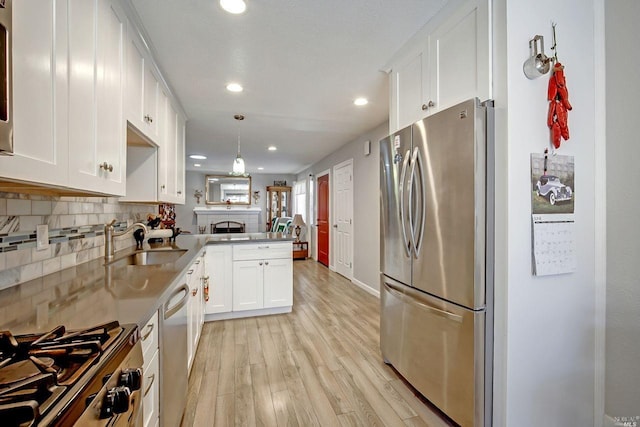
x: 212, y: 276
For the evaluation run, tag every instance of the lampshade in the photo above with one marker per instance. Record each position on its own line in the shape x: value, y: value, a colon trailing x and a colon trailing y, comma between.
x: 238, y: 165
x: 298, y: 221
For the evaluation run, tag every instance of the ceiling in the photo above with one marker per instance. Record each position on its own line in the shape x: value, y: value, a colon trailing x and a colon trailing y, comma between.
x: 301, y: 63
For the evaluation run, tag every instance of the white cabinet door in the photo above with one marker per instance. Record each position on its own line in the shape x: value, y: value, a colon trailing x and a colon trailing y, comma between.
x: 142, y: 89
x: 460, y: 56
x: 180, y: 160
x: 40, y: 88
x: 168, y: 166
x: 134, y: 94
x: 219, y: 269
x: 278, y: 283
x: 151, y: 106
x: 408, y: 90
x: 96, y: 81
x: 151, y: 391
x: 247, y: 285
x: 110, y: 81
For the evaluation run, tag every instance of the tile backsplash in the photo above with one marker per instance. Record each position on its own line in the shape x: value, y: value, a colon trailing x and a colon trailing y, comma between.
x: 76, y: 232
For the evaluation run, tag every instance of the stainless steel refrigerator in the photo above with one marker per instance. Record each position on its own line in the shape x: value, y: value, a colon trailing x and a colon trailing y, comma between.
x: 436, y: 253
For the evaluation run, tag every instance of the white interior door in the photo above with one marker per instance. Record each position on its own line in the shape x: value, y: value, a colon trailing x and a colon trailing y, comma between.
x: 343, y: 218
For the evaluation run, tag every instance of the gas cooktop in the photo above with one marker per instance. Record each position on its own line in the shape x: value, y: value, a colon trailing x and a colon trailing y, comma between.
x: 44, y: 376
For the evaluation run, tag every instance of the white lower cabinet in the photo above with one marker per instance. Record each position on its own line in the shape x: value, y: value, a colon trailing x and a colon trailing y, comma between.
x: 219, y: 271
x: 151, y: 372
x: 278, y: 283
x: 151, y: 392
x: 195, y: 307
x: 248, y: 279
x: 248, y: 285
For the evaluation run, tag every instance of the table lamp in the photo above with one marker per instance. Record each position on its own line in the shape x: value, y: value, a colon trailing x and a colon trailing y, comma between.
x: 297, y: 223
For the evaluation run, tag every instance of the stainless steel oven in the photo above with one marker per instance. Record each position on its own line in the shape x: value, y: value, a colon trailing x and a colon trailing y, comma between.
x: 6, y: 119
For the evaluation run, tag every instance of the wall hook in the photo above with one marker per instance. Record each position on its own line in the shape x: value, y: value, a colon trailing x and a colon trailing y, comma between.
x: 538, y: 64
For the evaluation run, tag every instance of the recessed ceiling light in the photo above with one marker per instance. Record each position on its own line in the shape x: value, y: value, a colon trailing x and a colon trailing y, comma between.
x: 272, y: 148
x: 197, y: 165
x: 198, y: 157
x: 361, y: 101
x: 234, y: 87
x: 260, y: 168
x: 233, y: 6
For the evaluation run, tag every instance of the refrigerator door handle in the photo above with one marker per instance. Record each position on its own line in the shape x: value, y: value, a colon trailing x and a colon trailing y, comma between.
x: 423, y: 201
x: 412, y: 176
x: 403, y: 175
x: 413, y: 298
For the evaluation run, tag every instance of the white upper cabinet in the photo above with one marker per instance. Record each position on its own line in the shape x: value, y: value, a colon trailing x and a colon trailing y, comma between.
x: 159, y: 131
x: 449, y: 65
x: 40, y: 88
x: 460, y: 57
x: 409, y: 87
x: 143, y: 99
x: 96, y: 83
x: 180, y: 158
x: 68, y: 69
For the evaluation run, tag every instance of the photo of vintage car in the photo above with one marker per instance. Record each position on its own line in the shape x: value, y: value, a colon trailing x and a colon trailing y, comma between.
x: 550, y: 187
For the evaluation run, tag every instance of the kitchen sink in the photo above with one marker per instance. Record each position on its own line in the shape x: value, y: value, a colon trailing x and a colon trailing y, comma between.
x: 151, y: 257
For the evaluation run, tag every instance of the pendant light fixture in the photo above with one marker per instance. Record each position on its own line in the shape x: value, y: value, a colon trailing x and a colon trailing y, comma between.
x: 238, y: 163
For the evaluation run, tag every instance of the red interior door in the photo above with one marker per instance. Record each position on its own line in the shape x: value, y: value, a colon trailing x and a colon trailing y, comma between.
x: 323, y: 219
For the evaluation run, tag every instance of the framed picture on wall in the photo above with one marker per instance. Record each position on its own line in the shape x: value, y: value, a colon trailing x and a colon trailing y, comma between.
x: 279, y: 183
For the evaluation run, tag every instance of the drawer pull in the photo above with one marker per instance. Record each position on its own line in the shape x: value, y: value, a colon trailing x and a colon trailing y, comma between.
x: 263, y: 247
x: 152, y: 378
x: 150, y: 326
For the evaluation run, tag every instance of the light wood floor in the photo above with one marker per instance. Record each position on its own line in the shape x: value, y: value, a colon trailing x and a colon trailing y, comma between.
x: 319, y: 365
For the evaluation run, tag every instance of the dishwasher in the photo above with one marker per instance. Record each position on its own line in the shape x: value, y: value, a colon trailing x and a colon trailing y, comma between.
x: 174, y: 378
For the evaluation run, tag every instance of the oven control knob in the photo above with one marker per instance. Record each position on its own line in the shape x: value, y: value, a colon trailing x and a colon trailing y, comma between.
x: 115, y: 402
x: 131, y: 378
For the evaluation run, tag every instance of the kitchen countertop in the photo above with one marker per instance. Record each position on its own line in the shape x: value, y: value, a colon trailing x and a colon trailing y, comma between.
x: 92, y: 293
x: 213, y: 239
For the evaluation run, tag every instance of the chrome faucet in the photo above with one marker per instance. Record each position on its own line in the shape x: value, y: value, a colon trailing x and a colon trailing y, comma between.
x: 110, y: 233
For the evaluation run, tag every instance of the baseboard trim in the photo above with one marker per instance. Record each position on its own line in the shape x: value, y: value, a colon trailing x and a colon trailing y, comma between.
x: 366, y: 288
x: 246, y: 313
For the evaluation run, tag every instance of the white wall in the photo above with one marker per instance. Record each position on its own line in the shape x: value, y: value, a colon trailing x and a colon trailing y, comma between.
x: 622, y: 387
x: 366, y: 209
x: 186, y: 219
x: 545, y: 327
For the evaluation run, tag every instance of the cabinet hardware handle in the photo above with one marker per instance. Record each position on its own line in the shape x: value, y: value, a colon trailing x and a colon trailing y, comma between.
x: 179, y: 192
x: 424, y: 107
x: 150, y: 119
x: 145, y: 336
x: 162, y: 186
x: 260, y: 263
x: 197, y: 261
x: 263, y: 247
x: 190, y: 271
x: 194, y: 292
x: 152, y: 378
x: 266, y: 263
x: 106, y: 166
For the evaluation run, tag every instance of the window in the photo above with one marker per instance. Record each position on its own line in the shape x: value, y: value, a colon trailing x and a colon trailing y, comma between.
x: 300, y: 199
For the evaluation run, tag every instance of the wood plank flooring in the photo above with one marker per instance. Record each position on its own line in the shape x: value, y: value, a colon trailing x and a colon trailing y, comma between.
x: 319, y: 365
